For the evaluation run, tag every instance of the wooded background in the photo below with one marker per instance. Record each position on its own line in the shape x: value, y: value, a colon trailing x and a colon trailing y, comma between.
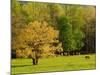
x: 52, y: 29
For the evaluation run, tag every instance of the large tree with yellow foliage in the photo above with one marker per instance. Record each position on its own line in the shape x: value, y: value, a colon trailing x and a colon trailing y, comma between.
x: 36, y: 35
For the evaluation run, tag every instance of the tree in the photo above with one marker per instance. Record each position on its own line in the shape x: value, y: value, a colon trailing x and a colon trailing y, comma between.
x: 17, y: 20
x: 30, y: 37
x: 77, y: 22
x: 69, y: 21
x: 72, y: 24
x: 65, y: 33
x: 63, y: 24
x: 89, y: 29
x: 56, y: 11
x: 35, y: 11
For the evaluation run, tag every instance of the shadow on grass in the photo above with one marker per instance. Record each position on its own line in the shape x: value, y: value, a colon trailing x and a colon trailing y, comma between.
x: 21, y: 65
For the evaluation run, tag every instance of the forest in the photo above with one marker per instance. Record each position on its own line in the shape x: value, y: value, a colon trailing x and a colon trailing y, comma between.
x: 51, y: 29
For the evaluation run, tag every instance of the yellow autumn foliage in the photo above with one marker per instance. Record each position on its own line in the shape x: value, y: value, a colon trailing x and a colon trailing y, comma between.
x: 37, y: 36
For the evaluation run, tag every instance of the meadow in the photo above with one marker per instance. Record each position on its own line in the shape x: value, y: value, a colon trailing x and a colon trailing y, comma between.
x: 53, y: 64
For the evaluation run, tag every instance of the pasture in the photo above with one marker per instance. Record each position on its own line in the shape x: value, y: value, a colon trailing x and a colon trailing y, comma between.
x: 60, y: 63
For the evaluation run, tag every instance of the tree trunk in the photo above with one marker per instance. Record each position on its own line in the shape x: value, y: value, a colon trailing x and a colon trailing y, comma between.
x: 35, y: 57
x: 33, y: 61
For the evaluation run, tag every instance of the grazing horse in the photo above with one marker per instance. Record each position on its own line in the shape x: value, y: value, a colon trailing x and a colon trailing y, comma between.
x: 87, y: 57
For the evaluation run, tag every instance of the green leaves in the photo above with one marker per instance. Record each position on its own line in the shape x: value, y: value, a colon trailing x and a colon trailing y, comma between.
x: 65, y: 32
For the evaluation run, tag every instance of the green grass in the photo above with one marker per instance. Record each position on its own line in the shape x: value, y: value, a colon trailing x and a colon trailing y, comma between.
x: 61, y: 63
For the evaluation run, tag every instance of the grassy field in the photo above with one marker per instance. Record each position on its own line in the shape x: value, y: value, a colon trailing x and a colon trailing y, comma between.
x: 61, y: 63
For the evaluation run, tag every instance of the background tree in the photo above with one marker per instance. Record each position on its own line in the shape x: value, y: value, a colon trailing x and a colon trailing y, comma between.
x: 89, y: 29
x: 65, y: 33
x: 77, y: 25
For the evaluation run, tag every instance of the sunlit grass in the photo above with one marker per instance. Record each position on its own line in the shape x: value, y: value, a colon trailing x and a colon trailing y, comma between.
x: 61, y: 63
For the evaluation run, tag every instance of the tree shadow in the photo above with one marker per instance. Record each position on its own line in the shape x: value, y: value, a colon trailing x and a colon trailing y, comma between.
x: 21, y: 65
